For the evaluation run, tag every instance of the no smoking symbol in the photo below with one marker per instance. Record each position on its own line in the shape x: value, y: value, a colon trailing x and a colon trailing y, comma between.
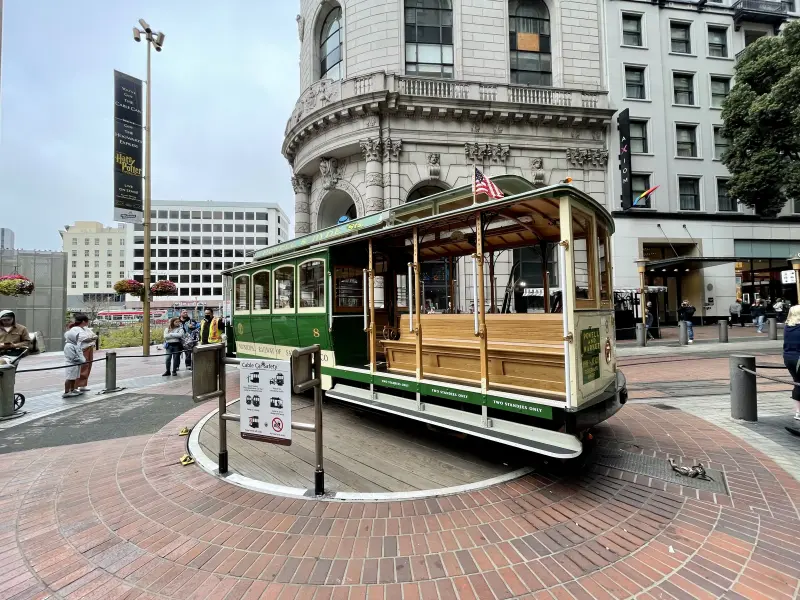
x: 277, y: 424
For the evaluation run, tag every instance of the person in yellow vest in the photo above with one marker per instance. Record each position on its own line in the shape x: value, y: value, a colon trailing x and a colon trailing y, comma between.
x: 210, y: 328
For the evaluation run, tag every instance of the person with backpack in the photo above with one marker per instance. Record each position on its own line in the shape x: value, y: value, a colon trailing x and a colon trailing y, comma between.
x: 191, y: 335
x: 685, y: 314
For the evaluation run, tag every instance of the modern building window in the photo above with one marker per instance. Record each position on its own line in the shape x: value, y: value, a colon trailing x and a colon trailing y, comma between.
x: 86, y: 264
x: 206, y: 214
x: 110, y: 241
x: 261, y: 216
x: 689, y: 191
x: 429, y: 38
x: 163, y: 214
x: 185, y: 214
x: 249, y: 216
x: 239, y: 216
x: 229, y: 215
x: 96, y: 241
x: 330, y: 46
x: 720, y: 143
x: 195, y: 214
x: 718, y: 41
x: 686, y: 137
x: 162, y: 227
x: 227, y: 227
x: 529, y: 32
x: 74, y: 253
x: 725, y: 202
x: 680, y: 37
x: 720, y: 88
x: 73, y: 285
x: 74, y: 264
x: 97, y: 253
x: 634, y: 83
x: 86, y: 253
x: 639, y: 137
x: 683, y: 88
x: 74, y: 241
x: 640, y: 184
x: 631, y: 29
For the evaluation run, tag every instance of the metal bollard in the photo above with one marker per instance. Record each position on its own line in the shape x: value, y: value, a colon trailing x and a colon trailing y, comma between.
x: 773, y: 328
x: 641, y: 334
x: 744, y: 396
x: 723, y: 331
x: 8, y: 375
x: 683, y: 333
x: 111, y: 374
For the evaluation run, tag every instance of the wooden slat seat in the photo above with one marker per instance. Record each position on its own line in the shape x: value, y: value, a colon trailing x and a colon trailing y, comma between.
x: 525, y: 351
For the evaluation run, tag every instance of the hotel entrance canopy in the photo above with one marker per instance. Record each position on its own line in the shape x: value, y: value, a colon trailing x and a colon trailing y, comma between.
x: 682, y: 264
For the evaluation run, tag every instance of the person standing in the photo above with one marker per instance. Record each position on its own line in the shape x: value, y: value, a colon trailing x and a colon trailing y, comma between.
x: 759, y: 312
x: 14, y: 338
x: 210, y: 328
x: 685, y: 314
x: 791, y: 353
x: 779, y: 307
x: 74, y: 358
x: 190, y: 335
x: 735, y: 310
x: 173, y: 344
x: 649, y: 320
x: 86, y: 342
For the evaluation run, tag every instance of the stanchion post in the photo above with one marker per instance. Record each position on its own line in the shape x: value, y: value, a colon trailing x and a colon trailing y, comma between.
x: 319, y: 473
x: 683, y: 333
x: 641, y: 334
x: 111, y: 373
x: 773, y: 328
x: 8, y: 375
x: 744, y: 395
x: 222, y: 386
x: 723, y: 331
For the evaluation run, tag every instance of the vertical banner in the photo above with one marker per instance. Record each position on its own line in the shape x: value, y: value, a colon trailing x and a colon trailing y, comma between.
x: 128, y: 144
x: 624, y: 126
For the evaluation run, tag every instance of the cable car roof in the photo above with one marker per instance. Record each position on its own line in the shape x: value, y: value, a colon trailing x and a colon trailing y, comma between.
x: 448, y: 206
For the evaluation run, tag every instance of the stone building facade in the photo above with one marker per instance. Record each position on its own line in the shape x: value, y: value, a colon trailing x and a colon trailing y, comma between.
x: 377, y: 137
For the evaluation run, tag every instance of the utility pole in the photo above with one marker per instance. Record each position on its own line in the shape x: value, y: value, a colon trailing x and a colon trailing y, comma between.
x: 155, y: 40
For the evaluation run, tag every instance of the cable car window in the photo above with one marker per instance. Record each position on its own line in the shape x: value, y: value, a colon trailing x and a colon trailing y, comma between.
x: 241, y: 299
x: 349, y: 285
x: 605, y: 263
x: 312, y: 284
x: 583, y: 257
x: 284, y: 288
x: 261, y: 291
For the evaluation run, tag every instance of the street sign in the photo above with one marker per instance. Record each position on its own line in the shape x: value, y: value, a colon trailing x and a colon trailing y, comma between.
x: 265, y: 401
x: 788, y: 277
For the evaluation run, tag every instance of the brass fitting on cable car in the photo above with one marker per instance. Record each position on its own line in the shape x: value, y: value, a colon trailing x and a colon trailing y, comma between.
x: 564, y: 244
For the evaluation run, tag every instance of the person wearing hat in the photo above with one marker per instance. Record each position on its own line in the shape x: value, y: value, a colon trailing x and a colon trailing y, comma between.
x: 14, y: 338
x: 685, y: 314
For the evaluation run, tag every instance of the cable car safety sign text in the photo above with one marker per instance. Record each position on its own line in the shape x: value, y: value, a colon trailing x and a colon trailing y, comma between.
x: 265, y: 401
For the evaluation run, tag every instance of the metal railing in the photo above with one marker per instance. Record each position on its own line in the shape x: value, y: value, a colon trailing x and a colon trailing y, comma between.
x: 769, y: 7
x: 209, y: 382
x: 743, y: 386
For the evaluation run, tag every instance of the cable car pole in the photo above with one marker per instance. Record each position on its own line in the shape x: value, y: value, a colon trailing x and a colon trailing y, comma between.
x: 481, y: 305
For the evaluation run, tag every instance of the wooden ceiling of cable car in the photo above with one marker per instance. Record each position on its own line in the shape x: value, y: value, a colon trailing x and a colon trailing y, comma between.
x: 523, y: 224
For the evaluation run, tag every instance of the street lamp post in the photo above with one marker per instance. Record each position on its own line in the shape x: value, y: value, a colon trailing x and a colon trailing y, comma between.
x: 156, y: 40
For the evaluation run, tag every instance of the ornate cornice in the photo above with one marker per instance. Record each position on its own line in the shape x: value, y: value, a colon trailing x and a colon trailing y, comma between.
x: 486, y: 152
x: 588, y: 158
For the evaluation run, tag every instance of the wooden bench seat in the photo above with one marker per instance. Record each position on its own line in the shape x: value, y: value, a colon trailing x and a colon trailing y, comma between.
x: 525, y: 351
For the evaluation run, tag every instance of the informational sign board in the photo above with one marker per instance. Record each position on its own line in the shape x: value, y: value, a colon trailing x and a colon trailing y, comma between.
x: 590, y: 354
x: 265, y: 401
x: 128, y: 144
x: 788, y: 277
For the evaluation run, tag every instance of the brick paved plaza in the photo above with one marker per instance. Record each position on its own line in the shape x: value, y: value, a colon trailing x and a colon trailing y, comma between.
x: 121, y: 519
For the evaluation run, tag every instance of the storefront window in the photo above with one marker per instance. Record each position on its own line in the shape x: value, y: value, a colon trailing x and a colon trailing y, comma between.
x: 284, y: 288
x: 261, y: 291
x: 241, y: 294
x: 312, y: 284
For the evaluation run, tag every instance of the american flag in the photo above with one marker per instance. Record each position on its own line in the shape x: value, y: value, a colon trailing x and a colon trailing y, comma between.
x: 484, y: 185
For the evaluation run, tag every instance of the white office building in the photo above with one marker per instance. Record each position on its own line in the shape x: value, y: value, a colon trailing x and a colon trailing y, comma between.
x: 672, y: 65
x: 6, y: 239
x: 193, y: 242
x: 96, y: 260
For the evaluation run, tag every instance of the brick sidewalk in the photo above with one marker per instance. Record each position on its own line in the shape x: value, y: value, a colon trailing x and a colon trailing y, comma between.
x: 120, y: 519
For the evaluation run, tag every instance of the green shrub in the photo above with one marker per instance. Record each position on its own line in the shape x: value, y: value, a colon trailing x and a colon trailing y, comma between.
x: 129, y: 336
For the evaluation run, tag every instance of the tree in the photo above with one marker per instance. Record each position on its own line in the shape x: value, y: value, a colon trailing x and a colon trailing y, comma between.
x: 762, y: 123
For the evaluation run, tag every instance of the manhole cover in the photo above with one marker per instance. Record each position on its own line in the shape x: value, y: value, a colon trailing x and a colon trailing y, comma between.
x: 659, y: 469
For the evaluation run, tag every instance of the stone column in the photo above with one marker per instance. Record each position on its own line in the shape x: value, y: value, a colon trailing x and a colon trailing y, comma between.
x: 371, y: 148
x: 391, y: 171
x: 302, y: 219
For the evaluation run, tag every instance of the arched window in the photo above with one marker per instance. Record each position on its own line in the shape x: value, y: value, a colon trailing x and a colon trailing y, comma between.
x: 424, y: 191
x: 330, y: 46
x: 429, y: 38
x: 529, y: 31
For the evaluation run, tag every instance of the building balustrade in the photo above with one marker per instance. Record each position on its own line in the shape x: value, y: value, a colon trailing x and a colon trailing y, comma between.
x: 772, y: 12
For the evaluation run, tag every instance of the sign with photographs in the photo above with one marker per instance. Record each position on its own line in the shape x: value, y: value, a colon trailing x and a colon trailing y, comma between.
x: 128, y: 149
x: 265, y: 401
